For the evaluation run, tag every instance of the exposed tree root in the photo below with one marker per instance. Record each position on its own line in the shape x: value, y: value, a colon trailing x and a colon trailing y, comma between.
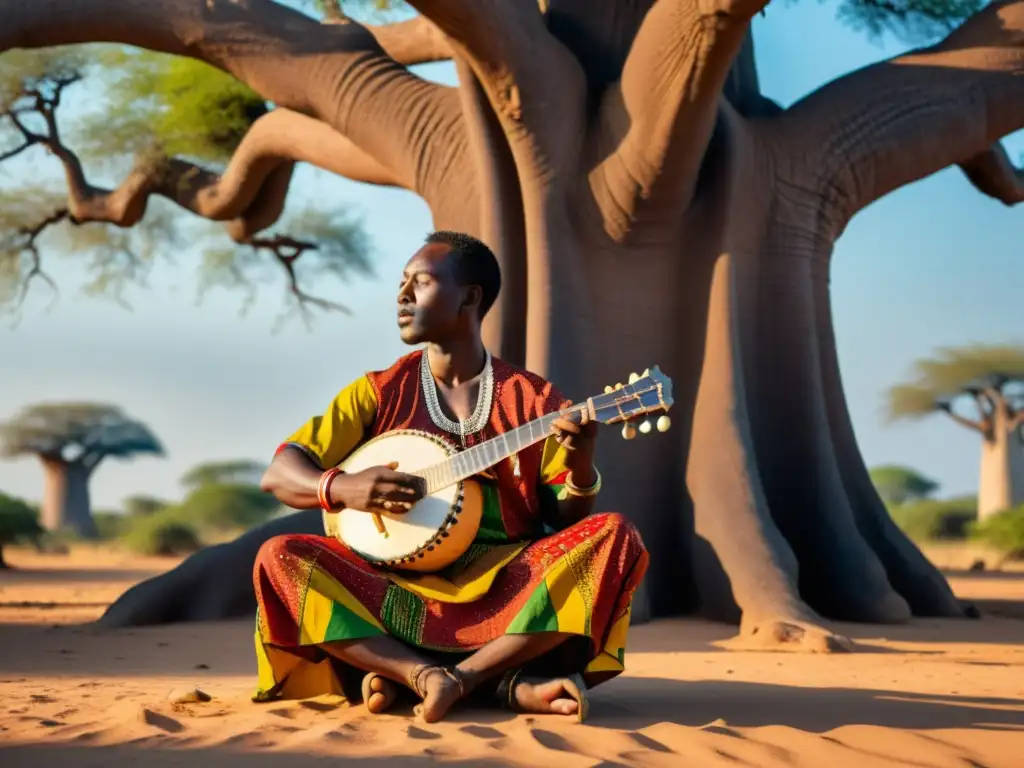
x: 787, y: 634
x: 214, y: 583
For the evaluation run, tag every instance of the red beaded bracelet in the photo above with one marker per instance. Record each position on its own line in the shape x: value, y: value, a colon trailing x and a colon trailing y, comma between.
x: 323, y: 489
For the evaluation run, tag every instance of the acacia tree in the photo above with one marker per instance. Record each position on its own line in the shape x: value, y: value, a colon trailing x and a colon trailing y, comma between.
x: 988, y: 380
x: 898, y: 485
x: 156, y: 111
x: 71, y: 440
x: 648, y: 205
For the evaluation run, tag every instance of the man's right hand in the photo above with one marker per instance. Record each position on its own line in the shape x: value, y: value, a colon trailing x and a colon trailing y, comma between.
x: 378, y: 489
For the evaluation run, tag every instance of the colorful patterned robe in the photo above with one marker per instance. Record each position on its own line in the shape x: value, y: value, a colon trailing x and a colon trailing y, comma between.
x: 518, y: 576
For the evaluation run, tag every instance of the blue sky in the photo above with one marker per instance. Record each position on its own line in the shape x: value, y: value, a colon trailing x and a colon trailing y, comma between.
x: 938, y: 263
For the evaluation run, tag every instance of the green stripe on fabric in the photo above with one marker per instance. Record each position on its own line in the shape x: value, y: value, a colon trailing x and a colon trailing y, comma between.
x: 466, y: 559
x: 347, y: 625
x: 538, y: 615
x: 403, y: 614
x: 492, y: 527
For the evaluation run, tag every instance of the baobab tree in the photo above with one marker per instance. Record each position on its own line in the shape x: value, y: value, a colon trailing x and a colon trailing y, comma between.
x: 649, y: 205
x: 71, y: 440
x: 980, y: 387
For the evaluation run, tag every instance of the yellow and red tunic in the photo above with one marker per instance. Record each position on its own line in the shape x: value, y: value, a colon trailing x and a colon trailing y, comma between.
x: 517, y: 577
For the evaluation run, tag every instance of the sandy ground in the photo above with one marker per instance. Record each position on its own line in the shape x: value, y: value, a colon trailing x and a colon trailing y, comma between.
x: 933, y: 694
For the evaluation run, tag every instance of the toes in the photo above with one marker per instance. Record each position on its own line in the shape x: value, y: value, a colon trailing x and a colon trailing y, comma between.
x: 550, y: 691
x: 377, y: 684
x: 564, y: 706
x: 377, y: 702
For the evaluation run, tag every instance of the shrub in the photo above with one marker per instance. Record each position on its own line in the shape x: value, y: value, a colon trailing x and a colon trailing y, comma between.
x: 18, y: 521
x: 1004, y: 532
x: 933, y: 519
x: 227, y: 506
x: 111, y: 525
x: 900, y: 485
x: 161, y: 534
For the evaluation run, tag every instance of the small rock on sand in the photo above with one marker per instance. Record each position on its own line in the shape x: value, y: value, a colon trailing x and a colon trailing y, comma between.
x: 188, y: 696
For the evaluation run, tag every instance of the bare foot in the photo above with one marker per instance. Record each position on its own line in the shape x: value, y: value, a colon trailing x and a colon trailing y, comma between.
x: 441, y: 692
x: 547, y: 697
x: 378, y: 693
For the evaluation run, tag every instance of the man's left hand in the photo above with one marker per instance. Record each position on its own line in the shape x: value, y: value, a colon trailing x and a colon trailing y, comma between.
x: 578, y: 438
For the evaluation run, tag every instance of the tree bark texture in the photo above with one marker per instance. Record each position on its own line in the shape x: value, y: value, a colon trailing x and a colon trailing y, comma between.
x: 1002, y: 465
x: 66, y: 505
x: 649, y: 206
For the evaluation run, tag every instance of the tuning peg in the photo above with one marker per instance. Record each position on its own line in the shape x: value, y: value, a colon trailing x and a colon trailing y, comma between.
x: 628, y: 431
x: 645, y: 427
x: 618, y: 385
x: 664, y: 422
x: 633, y: 378
x: 608, y: 389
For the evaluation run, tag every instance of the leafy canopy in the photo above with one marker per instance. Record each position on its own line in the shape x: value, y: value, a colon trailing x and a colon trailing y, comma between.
x: 898, y: 485
x: 243, y: 471
x: 71, y: 431
x: 145, y: 106
x: 955, y: 371
x: 142, y: 506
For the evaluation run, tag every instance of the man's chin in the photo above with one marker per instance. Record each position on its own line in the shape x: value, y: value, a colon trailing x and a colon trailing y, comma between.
x: 410, y: 334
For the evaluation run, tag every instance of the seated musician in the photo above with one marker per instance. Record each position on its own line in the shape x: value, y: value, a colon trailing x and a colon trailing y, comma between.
x: 536, y: 610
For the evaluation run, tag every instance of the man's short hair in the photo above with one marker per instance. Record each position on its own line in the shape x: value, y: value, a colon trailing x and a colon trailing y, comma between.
x: 473, y: 263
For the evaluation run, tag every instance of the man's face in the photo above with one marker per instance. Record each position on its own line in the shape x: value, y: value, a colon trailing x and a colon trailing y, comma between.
x: 431, y: 304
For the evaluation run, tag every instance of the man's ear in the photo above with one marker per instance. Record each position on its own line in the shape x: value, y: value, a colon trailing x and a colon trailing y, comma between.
x: 472, y: 298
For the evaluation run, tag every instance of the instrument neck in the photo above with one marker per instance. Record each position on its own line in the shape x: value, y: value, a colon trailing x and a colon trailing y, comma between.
x: 479, y: 458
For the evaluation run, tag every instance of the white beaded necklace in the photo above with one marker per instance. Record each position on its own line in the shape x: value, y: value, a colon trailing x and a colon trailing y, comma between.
x: 481, y: 413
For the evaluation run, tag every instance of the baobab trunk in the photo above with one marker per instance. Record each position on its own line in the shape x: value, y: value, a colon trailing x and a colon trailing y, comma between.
x: 1002, y: 466
x: 66, y: 504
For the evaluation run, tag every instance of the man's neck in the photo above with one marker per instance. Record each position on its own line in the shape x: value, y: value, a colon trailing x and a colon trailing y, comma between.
x: 456, y: 362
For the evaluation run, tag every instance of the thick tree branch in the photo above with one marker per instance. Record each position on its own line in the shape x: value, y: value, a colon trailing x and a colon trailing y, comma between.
x: 414, y: 41
x: 993, y: 173
x: 534, y: 84
x: 91, y: 459
x: 266, y: 154
x: 654, y: 125
x: 893, y: 123
x: 336, y: 72
x: 249, y: 196
x: 410, y: 42
x: 981, y: 426
x: 1017, y: 422
x: 599, y: 33
x: 501, y: 223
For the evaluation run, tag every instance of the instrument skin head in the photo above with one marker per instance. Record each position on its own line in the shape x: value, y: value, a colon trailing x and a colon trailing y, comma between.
x: 434, y: 533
